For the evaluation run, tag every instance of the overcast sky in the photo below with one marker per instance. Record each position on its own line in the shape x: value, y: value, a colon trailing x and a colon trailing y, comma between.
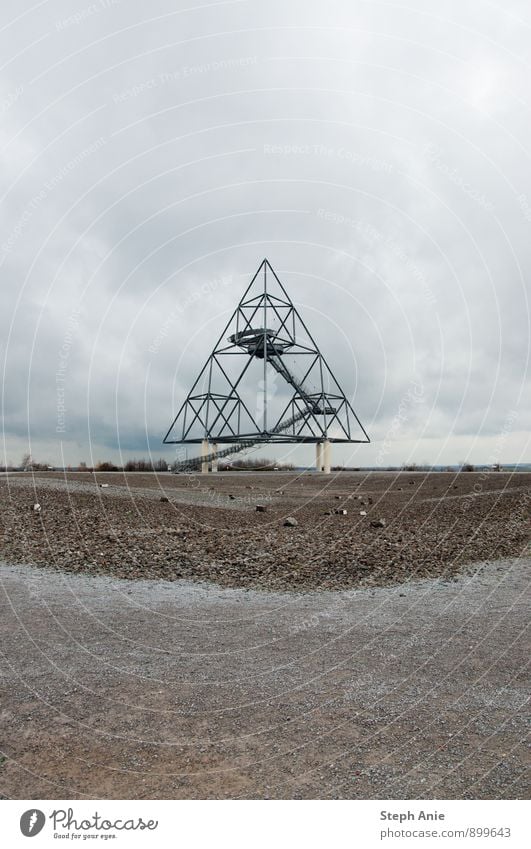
x: 379, y: 155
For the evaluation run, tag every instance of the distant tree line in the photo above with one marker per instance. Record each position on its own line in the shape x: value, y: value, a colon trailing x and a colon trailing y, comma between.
x: 255, y: 464
x: 28, y: 464
x: 140, y: 465
x: 462, y: 466
x: 242, y: 464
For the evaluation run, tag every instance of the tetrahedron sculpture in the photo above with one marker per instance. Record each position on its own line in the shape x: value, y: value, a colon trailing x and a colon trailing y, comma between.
x: 265, y: 381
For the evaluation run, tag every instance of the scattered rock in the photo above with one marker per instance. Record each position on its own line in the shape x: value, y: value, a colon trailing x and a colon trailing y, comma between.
x: 36, y: 508
x: 261, y: 508
x: 104, y: 485
x: 164, y: 499
x: 214, y: 543
x: 341, y: 512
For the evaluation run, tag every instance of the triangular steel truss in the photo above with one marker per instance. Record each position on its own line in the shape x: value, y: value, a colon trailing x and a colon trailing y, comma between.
x: 237, y: 396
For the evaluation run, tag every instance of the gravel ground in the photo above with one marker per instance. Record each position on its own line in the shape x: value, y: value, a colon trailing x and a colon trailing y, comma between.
x: 388, y: 528
x: 157, y: 689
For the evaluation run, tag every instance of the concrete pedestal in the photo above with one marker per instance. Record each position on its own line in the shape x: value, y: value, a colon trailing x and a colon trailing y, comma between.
x: 326, y: 455
x: 318, y: 457
x: 215, y: 460
x: 205, y: 450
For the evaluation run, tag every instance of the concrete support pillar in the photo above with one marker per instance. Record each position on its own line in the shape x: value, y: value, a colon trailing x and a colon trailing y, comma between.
x: 215, y: 460
x: 205, y: 449
x: 327, y: 455
x: 318, y: 457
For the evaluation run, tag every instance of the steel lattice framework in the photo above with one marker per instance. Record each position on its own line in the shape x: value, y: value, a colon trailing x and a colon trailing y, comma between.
x: 266, y: 338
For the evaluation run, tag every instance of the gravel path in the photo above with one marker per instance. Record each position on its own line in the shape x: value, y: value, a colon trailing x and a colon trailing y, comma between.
x: 132, y: 486
x: 156, y: 689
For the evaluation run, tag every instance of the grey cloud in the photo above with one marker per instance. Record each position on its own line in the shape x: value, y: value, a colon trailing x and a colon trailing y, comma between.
x: 377, y: 155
